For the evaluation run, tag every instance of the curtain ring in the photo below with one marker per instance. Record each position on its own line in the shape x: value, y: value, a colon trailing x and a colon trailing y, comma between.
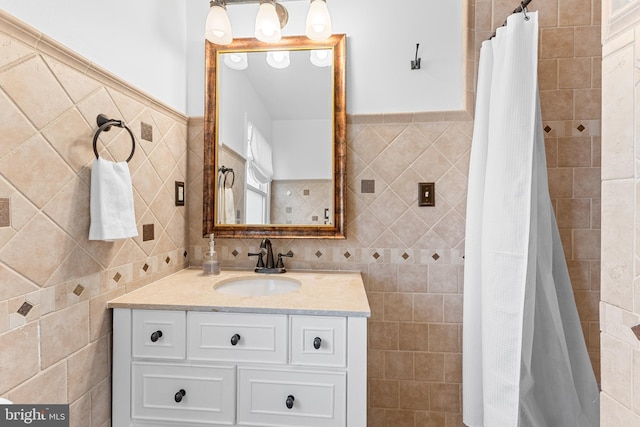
x: 524, y: 11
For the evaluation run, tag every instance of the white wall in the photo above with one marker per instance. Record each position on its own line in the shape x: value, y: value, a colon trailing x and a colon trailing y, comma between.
x: 141, y: 41
x: 300, y: 150
x: 242, y: 103
x: 159, y: 46
x: 381, y: 41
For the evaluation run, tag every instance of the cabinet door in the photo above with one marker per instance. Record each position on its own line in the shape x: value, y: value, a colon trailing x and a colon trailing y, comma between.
x: 178, y: 393
x: 318, y: 341
x: 301, y: 398
x: 237, y: 337
x: 159, y: 334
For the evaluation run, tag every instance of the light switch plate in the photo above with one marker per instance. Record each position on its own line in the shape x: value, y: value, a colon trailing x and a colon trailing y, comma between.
x: 426, y: 194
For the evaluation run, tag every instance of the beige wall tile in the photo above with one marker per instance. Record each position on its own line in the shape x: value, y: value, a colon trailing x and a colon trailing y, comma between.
x: 574, y: 73
x: 556, y: 42
x: 35, y: 90
x: 87, y: 368
x: 398, y: 365
x: 574, y: 12
x: 48, y: 387
x: 617, y: 371
x: 415, y: 395
x: 19, y: 356
x: 617, y: 135
x: 384, y: 393
x: 80, y: 412
x: 617, y: 242
x: 64, y: 332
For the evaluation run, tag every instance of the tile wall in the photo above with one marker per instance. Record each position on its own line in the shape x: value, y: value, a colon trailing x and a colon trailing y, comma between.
x: 410, y: 256
x: 55, y: 330
x: 620, y: 306
x: 303, y: 201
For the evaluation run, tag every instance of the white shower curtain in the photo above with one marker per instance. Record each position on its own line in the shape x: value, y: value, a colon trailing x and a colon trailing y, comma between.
x: 525, y: 363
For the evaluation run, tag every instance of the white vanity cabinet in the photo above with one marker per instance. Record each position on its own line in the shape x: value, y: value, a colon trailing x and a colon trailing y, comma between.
x: 200, y: 368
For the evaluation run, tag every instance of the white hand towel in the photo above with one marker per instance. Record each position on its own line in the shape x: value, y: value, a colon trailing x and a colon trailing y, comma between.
x: 112, y: 212
x: 229, y: 207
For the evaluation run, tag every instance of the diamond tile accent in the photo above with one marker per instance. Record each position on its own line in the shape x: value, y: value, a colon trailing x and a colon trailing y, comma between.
x: 347, y: 255
x: 145, y: 267
x: 78, y: 290
x: 435, y: 256
x: 24, y: 309
x: 367, y: 186
x: 547, y: 129
x: 405, y: 256
x: 306, y: 192
x: 5, y: 212
x: 636, y: 331
x: 581, y: 128
x: 318, y: 254
x: 376, y: 255
x: 117, y: 277
x: 167, y: 260
x: 146, y: 131
x: 147, y: 232
x: 235, y: 253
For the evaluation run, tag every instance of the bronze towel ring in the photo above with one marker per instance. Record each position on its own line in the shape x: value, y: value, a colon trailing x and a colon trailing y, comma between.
x: 105, y: 125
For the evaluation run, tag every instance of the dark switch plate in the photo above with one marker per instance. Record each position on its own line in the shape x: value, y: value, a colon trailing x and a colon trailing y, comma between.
x: 426, y: 194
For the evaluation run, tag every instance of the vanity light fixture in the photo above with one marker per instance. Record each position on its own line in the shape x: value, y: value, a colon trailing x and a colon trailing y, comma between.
x: 318, y: 21
x: 218, y: 26
x: 272, y: 17
x: 278, y: 58
x: 269, y: 22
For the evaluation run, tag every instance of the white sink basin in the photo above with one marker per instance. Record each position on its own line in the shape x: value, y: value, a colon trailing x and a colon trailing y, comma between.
x: 257, y: 286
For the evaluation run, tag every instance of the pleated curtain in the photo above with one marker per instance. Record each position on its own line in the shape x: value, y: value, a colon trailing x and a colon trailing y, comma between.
x: 525, y: 362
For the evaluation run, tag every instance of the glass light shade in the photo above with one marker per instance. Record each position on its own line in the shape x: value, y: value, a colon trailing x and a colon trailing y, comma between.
x: 236, y: 61
x: 318, y: 21
x: 267, y: 23
x: 218, y: 26
x: 278, y: 58
x: 321, y: 58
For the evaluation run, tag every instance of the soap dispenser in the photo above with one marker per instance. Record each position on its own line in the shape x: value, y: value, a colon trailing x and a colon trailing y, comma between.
x: 210, y: 263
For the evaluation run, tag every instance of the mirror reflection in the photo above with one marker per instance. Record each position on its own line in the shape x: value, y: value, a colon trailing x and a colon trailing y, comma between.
x: 275, y: 137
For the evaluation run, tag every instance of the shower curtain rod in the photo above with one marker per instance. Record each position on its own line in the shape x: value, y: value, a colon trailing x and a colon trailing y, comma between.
x: 523, y: 4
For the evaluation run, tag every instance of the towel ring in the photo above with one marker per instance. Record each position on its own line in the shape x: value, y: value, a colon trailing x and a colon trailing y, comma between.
x: 225, y: 171
x: 105, y: 125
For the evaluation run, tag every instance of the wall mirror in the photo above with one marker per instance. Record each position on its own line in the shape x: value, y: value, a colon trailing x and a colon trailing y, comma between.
x: 275, y: 138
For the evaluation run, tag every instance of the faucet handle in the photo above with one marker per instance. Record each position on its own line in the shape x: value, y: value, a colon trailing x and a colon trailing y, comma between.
x: 260, y: 254
x: 280, y: 263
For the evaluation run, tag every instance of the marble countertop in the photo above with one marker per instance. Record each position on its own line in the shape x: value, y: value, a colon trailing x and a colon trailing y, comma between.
x: 321, y: 293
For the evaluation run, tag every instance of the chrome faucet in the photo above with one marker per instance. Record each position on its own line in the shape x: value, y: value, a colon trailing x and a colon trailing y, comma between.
x: 269, y: 266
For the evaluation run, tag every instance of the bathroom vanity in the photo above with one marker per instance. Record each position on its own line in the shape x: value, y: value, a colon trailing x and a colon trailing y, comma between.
x: 242, y: 349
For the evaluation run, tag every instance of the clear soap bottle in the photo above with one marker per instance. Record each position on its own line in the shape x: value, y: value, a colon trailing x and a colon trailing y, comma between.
x: 210, y: 263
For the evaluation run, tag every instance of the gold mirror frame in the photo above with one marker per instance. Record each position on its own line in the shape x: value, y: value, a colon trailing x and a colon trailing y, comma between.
x: 337, y: 43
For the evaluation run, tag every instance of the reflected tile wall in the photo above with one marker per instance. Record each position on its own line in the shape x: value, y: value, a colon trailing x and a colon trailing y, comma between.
x: 55, y: 331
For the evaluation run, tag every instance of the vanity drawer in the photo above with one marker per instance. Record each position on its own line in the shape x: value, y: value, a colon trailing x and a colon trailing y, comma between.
x: 317, y: 398
x: 159, y: 334
x: 209, y: 393
x: 328, y: 334
x: 237, y: 337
